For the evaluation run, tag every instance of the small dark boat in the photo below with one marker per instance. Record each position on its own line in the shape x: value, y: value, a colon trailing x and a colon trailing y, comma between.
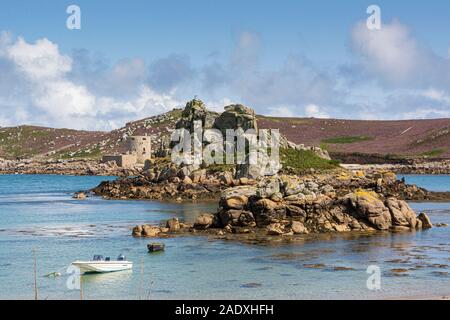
x: 155, y: 247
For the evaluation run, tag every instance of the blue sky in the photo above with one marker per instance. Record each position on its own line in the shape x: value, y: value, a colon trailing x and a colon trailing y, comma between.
x: 133, y: 59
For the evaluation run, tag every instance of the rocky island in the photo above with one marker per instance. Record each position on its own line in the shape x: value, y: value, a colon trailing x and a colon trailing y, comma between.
x: 307, y: 193
x: 296, y: 200
x: 288, y: 205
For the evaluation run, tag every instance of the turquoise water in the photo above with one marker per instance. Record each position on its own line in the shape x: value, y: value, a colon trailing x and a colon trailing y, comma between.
x: 430, y: 182
x: 37, y: 212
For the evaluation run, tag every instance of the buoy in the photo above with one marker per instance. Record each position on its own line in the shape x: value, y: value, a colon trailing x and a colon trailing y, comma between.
x: 53, y: 275
x: 155, y: 247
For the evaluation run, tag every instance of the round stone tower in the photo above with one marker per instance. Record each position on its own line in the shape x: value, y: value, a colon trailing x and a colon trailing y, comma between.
x: 141, y: 147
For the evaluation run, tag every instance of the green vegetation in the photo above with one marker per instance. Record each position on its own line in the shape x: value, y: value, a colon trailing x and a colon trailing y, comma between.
x: 222, y: 167
x: 92, y: 153
x: 345, y: 140
x: 30, y: 132
x: 174, y: 114
x: 324, y: 146
x: 14, y: 151
x: 300, y: 161
x: 289, y: 121
x: 20, y: 141
x: 213, y: 168
x: 433, y: 153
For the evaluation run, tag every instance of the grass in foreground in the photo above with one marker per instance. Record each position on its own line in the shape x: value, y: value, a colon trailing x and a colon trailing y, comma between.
x: 346, y: 140
x: 300, y: 161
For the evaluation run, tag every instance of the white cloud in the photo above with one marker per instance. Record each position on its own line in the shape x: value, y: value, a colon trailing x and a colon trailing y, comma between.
x: 390, y: 52
x: 426, y: 113
x: 394, y: 58
x: 392, y: 76
x: 62, y: 98
x: 312, y: 110
x: 218, y: 105
x: 53, y: 97
x: 5, y: 40
x: 40, y: 60
x: 281, y: 111
x: 399, y: 75
x: 168, y: 73
x: 246, y: 52
x: 436, y: 95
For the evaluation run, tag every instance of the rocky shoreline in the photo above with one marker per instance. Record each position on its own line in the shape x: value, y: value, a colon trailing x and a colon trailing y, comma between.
x: 64, y: 167
x: 302, y: 192
x: 434, y: 167
x: 95, y: 167
x: 170, y: 183
x: 292, y: 206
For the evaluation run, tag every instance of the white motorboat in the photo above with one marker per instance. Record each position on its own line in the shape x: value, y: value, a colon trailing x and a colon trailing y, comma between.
x: 101, y: 265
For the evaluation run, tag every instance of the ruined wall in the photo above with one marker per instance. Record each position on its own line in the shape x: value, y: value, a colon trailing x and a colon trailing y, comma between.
x: 122, y: 160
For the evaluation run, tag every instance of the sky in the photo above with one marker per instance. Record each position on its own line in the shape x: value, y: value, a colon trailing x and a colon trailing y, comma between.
x: 133, y: 59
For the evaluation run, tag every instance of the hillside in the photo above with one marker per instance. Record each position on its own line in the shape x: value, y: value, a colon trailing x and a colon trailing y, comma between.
x: 40, y: 142
x: 395, y: 139
x: 407, y: 138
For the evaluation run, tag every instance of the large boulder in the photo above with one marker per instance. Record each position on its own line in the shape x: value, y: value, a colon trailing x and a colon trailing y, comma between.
x: 426, y: 221
x: 198, y: 176
x: 264, y: 166
x: 246, y: 219
x: 150, y: 231
x: 275, y: 229
x: 401, y: 213
x: 185, y: 171
x: 187, y: 181
x: 291, y: 185
x: 226, y: 178
x: 79, y: 196
x: 204, y: 221
x: 230, y: 217
x: 195, y: 110
x: 137, y: 231
x: 265, y: 205
x: 239, y: 117
x: 298, y: 228
x: 367, y: 205
x: 173, y: 224
x: 238, y: 191
x: 268, y: 187
x: 236, y: 116
x: 167, y: 173
x: 389, y: 177
x: 236, y: 202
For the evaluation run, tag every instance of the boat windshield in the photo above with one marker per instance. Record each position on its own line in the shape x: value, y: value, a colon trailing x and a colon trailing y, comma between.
x: 121, y: 257
x: 98, y: 258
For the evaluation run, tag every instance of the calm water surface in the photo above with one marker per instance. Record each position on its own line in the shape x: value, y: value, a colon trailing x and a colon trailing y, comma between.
x: 37, y: 212
x: 429, y: 182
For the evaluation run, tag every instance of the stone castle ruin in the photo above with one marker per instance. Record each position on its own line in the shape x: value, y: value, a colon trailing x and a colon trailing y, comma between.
x: 139, y: 149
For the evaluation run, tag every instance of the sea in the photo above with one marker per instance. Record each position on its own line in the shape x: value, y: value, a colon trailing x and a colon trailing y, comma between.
x: 43, y: 229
